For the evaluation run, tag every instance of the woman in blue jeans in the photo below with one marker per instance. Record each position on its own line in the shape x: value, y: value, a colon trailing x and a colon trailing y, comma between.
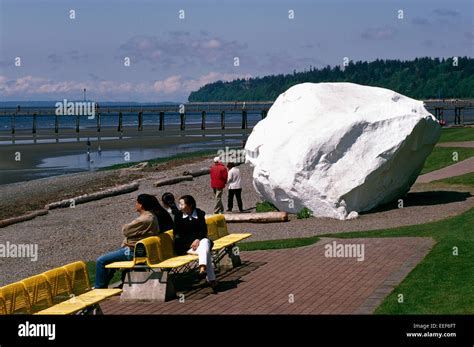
x: 152, y: 216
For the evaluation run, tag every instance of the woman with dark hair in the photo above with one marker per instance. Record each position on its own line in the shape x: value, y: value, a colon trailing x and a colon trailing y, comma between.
x: 190, y: 237
x: 165, y: 221
x: 169, y: 203
x: 144, y: 226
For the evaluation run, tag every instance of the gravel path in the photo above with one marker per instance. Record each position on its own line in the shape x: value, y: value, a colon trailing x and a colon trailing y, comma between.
x: 458, y: 169
x: 464, y: 144
x: 91, y: 229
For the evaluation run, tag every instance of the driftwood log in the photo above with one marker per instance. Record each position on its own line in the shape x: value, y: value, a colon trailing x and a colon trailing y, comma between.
x: 196, y: 173
x: 122, y: 189
x: 262, y: 217
x: 173, y: 180
x: 25, y: 217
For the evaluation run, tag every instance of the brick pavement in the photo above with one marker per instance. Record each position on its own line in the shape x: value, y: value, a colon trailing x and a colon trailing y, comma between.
x: 297, y: 281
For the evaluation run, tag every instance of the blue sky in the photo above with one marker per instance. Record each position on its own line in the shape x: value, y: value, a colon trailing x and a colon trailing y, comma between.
x: 170, y: 57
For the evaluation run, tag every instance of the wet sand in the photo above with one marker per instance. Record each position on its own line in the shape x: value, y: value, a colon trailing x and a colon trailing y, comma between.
x: 164, y: 143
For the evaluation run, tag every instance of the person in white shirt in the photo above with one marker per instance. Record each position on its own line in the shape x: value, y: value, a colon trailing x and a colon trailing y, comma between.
x: 235, y: 187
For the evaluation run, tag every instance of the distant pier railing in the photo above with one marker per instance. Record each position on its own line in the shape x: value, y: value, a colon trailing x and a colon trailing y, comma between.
x: 439, y: 107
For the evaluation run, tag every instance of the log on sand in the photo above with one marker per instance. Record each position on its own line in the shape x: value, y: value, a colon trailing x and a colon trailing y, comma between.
x: 25, y: 217
x: 263, y: 217
x: 196, y: 173
x: 122, y: 189
x: 167, y: 181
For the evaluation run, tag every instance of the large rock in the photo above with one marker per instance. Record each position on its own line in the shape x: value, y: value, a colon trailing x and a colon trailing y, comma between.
x: 339, y: 147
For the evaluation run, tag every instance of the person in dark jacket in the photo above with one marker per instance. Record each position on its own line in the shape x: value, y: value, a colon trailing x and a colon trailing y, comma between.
x: 190, y: 237
x: 169, y: 203
x: 165, y: 221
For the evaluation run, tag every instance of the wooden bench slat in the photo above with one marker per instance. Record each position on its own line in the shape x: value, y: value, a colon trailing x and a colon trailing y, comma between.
x: 175, y: 262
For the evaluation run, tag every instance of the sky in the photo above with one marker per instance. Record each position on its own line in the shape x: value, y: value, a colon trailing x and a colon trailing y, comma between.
x: 154, y: 51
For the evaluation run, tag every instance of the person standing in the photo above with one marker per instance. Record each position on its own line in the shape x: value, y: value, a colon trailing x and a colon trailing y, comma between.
x: 218, y: 182
x: 235, y: 187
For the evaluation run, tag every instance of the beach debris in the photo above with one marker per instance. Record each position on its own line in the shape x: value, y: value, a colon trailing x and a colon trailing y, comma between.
x: 139, y: 166
x: 257, y: 217
x: 197, y: 173
x: 173, y: 180
x: 71, y: 202
x: 339, y: 147
x: 22, y: 218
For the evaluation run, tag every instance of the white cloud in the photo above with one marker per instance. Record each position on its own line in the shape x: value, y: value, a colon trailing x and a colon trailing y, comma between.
x: 181, y: 49
x: 194, y: 84
x: 212, y: 44
x: 380, y: 33
x: 169, y: 85
x: 175, y: 84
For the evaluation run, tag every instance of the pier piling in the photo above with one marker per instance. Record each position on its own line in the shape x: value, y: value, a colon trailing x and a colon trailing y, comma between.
x: 244, y: 119
x: 183, y: 120
x: 120, y: 127
x: 140, y: 121
x: 203, y: 120
x: 162, y: 121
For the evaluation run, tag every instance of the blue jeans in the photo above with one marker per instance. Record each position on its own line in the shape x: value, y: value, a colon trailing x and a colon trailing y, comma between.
x: 103, y: 275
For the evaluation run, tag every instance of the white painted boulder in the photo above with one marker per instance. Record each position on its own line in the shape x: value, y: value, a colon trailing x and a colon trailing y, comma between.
x: 338, y: 148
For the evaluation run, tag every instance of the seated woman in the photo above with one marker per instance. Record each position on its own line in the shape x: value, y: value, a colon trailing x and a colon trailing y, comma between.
x: 145, y: 225
x: 190, y: 236
x: 165, y: 222
x: 169, y: 203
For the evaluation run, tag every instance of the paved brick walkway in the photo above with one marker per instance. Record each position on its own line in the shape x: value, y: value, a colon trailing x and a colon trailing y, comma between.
x: 299, y: 281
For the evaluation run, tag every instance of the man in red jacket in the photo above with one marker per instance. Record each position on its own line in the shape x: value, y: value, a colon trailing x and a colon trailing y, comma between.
x: 218, y: 182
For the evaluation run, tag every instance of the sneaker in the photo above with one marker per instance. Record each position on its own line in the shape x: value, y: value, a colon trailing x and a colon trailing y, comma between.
x: 214, y: 286
x: 202, y: 275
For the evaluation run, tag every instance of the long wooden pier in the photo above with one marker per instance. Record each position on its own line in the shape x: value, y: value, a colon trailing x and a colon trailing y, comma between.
x: 437, y: 106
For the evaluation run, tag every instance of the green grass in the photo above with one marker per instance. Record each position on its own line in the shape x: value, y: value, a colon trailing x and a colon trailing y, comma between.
x: 265, y: 206
x: 304, y: 213
x: 443, y: 156
x: 161, y: 160
x: 457, y: 134
x: 467, y: 180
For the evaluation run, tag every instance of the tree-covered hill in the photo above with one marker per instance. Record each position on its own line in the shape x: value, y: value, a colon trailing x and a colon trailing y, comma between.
x: 422, y: 78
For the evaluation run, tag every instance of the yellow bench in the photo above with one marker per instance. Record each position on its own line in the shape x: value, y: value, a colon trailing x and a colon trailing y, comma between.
x: 157, y: 252
x: 64, y: 290
x: 3, y: 308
